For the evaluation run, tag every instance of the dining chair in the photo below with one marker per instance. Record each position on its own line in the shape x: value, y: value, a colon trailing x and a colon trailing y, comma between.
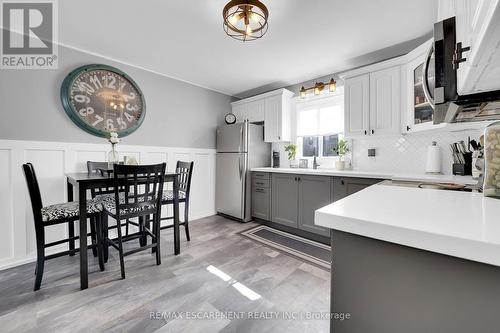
x: 185, y: 173
x: 46, y: 216
x: 143, y: 188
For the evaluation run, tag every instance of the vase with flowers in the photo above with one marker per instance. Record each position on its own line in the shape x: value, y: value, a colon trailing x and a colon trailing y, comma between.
x: 113, y: 156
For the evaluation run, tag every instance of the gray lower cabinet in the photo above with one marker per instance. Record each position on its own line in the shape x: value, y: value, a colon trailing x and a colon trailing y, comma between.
x: 284, y: 199
x: 261, y: 203
x: 261, y: 195
x: 296, y: 197
x: 292, y: 199
x: 314, y: 193
x: 345, y: 186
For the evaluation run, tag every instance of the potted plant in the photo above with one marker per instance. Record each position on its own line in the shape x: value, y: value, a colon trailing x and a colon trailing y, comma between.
x: 342, y: 149
x: 291, y: 149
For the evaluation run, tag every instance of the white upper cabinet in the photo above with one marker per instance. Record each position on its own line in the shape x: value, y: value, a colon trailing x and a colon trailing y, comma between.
x: 385, y: 101
x: 373, y: 101
x: 240, y: 111
x: 356, y: 105
x: 272, y: 108
x: 477, y: 27
x: 418, y: 114
x: 256, y: 111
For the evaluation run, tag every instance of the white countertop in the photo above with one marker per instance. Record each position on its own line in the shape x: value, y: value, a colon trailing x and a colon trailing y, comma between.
x: 460, y: 224
x: 466, y: 180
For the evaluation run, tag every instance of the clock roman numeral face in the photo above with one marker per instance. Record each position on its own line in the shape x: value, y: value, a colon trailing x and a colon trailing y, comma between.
x: 104, y: 101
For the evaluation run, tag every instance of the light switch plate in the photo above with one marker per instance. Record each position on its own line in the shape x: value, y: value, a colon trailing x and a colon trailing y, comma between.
x: 371, y: 152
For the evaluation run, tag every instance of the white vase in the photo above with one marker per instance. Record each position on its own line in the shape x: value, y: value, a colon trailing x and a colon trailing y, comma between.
x: 339, y: 165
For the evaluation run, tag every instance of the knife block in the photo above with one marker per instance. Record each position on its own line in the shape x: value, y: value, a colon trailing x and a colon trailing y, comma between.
x: 463, y: 169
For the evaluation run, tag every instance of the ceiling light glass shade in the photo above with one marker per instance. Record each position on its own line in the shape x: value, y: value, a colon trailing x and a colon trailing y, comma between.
x: 245, y: 19
x: 303, y: 93
x: 333, y: 85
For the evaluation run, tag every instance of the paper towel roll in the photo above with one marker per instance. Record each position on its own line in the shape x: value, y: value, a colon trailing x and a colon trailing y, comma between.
x: 433, y: 159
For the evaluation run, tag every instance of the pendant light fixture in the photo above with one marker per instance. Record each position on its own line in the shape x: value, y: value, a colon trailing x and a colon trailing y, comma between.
x: 245, y: 19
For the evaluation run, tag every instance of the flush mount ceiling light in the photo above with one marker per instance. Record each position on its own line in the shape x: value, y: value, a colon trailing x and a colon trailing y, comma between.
x: 245, y: 19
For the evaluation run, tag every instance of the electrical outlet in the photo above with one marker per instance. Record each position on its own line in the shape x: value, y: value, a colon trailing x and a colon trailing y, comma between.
x: 371, y: 152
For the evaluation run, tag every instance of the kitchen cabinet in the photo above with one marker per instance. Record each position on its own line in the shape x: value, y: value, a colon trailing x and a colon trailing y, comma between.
x: 314, y: 193
x: 285, y: 198
x: 345, y: 186
x: 240, y: 111
x: 419, y: 112
x: 292, y: 199
x: 261, y: 196
x: 373, y: 103
x: 356, y: 105
x: 277, y: 117
x: 385, y: 101
x: 478, y: 27
x: 256, y: 110
x: 272, y: 108
x: 296, y: 197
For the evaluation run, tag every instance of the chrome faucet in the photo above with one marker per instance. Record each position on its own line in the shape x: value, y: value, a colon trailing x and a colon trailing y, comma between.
x: 315, y: 163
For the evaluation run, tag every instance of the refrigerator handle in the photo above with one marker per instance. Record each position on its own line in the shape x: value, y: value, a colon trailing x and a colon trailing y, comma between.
x: 241, y: 138
x: 240, y: 165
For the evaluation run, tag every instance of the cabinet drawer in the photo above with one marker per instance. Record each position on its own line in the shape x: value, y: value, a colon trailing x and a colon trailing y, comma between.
x: 258, y: 182
x: 261, y: 175
x: 261, y: 203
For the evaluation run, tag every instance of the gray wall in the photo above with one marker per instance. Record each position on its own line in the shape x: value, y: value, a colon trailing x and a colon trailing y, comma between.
x: 178, y: 114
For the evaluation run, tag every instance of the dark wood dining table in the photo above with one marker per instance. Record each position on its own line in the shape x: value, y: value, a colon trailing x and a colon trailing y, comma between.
x: 83, y: 182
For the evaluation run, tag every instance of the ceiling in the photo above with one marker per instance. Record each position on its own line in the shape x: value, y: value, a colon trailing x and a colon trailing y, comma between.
x: 185, y: 40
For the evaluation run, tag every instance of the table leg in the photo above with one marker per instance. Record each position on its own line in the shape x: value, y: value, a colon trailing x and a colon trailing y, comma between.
x: 177, y: 244
x: 71, y: 224
x: 82, y: 197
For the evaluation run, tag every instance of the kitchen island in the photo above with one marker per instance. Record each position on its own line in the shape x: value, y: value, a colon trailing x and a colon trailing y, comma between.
x: 407, y: 259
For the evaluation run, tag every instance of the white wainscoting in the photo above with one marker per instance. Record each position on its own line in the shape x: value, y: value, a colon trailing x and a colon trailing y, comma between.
x: 52, y: 160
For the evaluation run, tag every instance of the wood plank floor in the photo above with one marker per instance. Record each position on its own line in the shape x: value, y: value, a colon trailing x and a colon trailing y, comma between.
x: 218, y: 273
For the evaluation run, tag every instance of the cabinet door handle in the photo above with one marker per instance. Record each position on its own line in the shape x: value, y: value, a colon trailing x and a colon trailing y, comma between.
x: 279, y: 137
x: 342, y: 182
x: 373, y: 131
x: 366, y: 132
x: 408, y: 128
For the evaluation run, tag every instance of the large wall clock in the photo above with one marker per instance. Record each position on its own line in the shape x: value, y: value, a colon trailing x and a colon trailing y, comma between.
x: 101, y: 99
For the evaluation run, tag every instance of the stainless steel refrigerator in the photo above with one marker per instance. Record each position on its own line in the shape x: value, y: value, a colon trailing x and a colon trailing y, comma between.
x: 240, y: 147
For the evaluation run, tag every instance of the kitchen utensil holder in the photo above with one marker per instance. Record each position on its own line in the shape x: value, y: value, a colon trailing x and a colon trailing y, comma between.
x: 464, y: 169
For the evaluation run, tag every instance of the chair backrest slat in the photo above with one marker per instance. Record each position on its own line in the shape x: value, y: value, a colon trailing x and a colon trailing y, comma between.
x: 97, y: 167
x: 34, y: 190
x: 185, y: 173
x: 143, y: 186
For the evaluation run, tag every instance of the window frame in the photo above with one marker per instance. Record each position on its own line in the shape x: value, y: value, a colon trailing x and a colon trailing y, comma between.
x: 318, y: 102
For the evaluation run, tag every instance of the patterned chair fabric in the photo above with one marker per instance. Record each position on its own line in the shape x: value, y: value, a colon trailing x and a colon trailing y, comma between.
x: 68, y: 210
x: 168, y: 195
x: 108, y: 203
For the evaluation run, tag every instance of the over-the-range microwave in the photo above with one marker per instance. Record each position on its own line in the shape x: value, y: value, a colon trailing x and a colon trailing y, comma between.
x: 440, y: 81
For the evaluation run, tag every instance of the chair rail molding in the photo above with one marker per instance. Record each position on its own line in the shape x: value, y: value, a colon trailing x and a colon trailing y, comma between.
x: 53, y: 159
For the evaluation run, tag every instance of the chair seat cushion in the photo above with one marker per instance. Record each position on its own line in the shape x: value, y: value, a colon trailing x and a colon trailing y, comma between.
x: 108, y: 203
x: 68, y: 210
x: 168, y: 195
